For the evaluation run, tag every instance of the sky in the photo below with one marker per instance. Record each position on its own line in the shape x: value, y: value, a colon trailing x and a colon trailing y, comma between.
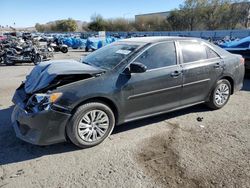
x: 26, y: 13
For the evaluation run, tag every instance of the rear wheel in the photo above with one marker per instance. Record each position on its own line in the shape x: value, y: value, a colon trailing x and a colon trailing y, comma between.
x: 8, y: 61
x: 90, y: 125
x: 37, y: 59
x: 64, y: 49
x: 220, y: 94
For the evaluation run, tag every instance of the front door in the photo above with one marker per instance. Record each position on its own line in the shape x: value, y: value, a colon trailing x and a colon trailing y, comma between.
x: 159, y: 88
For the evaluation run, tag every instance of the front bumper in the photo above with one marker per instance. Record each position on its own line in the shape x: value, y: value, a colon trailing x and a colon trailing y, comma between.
x: 41, y: 128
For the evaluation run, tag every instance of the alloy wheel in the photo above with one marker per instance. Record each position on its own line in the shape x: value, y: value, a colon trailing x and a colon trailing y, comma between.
x: 222, y: 94
x: 93, y: 125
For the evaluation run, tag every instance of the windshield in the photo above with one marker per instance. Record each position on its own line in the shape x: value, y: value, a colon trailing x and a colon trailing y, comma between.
x: 110, y: 56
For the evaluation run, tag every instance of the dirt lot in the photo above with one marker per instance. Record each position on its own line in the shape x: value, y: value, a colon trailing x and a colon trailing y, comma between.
x: 171, y: 150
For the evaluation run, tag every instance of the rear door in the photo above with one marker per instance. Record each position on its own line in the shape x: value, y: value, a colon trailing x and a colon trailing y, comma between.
x: 157, y: 89
x: 201, y: 68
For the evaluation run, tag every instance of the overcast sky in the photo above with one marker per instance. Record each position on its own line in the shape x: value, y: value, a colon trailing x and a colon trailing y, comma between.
x: 29, y: 12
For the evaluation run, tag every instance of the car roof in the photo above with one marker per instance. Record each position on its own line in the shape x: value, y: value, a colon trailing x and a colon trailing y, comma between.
x: 148, y: 40
x: 156, y: 39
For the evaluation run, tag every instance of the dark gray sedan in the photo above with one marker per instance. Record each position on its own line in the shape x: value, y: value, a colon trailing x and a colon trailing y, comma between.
x: 125, y: 81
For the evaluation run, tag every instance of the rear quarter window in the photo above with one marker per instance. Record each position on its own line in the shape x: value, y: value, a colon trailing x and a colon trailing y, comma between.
x: 211, y: 53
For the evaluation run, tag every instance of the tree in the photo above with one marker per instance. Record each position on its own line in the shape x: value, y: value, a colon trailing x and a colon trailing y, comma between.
x: 153, y: 23
x: 97, y: 23
x: 68, y: 25
x: 177, y: 21
x: 119, y: 24
x: 40, y: 27
x: 210, y: 14
x: 238, y: 15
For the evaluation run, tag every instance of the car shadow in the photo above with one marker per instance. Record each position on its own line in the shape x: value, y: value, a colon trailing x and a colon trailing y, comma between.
x: 159, y: 118
x: 246, y: 84
x: 13, y: 150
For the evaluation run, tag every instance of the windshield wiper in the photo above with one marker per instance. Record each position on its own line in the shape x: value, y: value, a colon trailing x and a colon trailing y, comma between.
x: 86, y: 63
x: 102, y: 68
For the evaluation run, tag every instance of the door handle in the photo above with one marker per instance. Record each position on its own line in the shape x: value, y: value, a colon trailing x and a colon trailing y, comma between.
x: 217, y: 66
x: 176, y: 74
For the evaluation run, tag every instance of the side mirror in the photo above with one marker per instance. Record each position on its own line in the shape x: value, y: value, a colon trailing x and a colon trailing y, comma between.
x: 137, y: 67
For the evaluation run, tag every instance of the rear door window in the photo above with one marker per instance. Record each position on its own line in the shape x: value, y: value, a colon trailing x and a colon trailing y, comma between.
x: 192, y: 51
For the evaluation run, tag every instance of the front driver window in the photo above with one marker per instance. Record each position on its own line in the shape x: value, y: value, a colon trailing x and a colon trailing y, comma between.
x: 159, y: 55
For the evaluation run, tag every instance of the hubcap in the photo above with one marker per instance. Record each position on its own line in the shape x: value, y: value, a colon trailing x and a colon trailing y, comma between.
x: 222, y: 94
x: 93, y: 125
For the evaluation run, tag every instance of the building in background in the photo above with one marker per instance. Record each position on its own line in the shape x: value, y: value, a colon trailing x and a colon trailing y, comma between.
x: 162, y: 15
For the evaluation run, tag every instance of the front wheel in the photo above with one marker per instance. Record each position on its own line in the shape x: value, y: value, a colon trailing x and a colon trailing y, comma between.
x: 37, y: 59
x: 64, y: 50
x: 8, y: 61
x: 90, y: 125
x: 220, y: 94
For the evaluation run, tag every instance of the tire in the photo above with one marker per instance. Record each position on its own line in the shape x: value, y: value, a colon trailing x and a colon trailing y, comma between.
x: 37, y: 59
x: 220, y: 94
x: 78, y: 134
x: 8, y: 62
x: 86, y: 49
x: 64, y: 50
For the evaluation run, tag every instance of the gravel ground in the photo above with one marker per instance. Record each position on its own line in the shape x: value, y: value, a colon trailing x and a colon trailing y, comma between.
x: 171, y: 150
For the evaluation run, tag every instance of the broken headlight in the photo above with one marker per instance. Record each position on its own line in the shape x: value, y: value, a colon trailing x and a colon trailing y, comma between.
x: 40, y: 102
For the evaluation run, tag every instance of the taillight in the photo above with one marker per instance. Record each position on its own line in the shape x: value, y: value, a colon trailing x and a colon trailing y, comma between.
x: 242, y: 60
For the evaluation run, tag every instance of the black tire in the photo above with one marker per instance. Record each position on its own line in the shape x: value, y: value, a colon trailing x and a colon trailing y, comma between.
x: 37, y: 59
x: 86, y: 49
x: 8, y: 62
x: 64, y: 50
x: 72, y: 127
x: 212, y: 100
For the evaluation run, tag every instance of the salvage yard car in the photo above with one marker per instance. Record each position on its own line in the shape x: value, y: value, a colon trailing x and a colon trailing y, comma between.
x: 124, y: 81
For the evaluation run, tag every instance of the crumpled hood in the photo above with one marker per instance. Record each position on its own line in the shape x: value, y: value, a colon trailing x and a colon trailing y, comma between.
x: 44, y: 73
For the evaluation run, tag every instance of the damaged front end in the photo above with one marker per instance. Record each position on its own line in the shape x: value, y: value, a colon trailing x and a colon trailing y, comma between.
x: 36, y: 120
x: 36, y: 117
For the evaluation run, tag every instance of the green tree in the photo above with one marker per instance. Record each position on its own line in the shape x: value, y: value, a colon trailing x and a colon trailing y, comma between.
x: 39, y: 27
x: 210, y: 14
x: 154, y: 23
x: 68, y: 25
x: 97, y: 23
x: 119, y: 24
x: 177, y: 21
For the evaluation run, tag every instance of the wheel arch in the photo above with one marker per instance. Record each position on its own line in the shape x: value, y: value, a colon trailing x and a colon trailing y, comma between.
x: 231, y: 81
x: 228, y: 78
x: 110, y: 103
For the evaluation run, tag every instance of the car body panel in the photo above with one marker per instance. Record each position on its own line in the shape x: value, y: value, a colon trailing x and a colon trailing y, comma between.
x: 132, y: 96
x: 150, y: 92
